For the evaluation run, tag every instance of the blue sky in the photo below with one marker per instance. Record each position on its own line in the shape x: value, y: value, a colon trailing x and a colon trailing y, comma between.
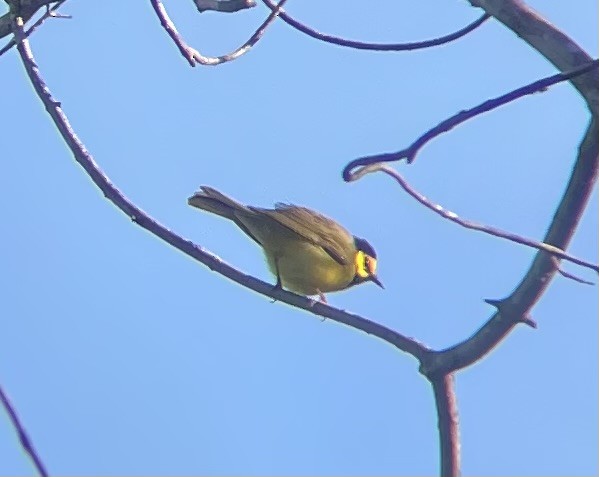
x: 124, y: 356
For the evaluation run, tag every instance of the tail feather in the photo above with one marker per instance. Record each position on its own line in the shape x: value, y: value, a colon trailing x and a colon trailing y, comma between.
x: 213, y: 201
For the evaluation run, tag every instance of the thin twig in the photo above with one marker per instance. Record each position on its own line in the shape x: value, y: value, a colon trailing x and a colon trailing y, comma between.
x: 361, y: 45
x: 192, y: 55
x: 49, y: 13
x: 411, y: 151
x: 85, y: 159
x: 563, y: 273
x: 26, y: 443
x: 448, y: 423
x: 452, y: 216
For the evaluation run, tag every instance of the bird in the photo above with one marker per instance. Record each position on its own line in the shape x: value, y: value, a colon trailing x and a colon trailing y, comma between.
x: 309, y: 253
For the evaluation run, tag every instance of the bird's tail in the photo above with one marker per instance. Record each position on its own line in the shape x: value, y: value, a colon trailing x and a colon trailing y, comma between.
x: 211, y: 200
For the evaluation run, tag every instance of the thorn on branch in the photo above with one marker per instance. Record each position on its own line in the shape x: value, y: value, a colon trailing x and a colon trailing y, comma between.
x: 511, y: 313
x: 527, y: 320
x: 492, y: 302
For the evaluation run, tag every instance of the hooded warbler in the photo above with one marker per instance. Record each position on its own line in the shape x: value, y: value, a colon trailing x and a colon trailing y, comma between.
x: 309, y: 253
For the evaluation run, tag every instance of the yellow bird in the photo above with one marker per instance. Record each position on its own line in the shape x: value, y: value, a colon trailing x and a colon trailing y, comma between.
x: 309, y: 253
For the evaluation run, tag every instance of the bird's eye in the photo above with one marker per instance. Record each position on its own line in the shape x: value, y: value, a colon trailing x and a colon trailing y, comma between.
x: 370, y: 265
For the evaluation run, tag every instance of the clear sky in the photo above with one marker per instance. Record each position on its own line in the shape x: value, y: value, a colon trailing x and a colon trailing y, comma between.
x: 123, y: 356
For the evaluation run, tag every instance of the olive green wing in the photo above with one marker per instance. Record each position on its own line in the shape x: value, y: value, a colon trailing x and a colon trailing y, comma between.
x: 316, y: 228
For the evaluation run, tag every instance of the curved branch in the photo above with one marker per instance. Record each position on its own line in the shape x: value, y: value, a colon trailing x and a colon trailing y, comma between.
x: 448, y: 124
x: 516, y: 308
x: 453, y: 217
x: 85, y: 159
x: 26, y: 443
x: 360, y: 45
x: 192, y: 55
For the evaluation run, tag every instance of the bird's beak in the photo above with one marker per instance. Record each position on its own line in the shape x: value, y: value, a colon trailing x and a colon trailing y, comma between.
x: 376, y: 280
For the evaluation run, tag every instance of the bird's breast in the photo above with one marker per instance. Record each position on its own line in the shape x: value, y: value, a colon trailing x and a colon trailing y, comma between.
x: 307, y: 269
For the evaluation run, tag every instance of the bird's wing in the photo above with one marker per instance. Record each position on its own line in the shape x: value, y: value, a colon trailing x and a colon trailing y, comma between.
x: 314, y: 227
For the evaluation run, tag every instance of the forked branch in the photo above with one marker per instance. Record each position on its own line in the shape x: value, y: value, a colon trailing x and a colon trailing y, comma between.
x: 453, y: 217
x: 192, y: 55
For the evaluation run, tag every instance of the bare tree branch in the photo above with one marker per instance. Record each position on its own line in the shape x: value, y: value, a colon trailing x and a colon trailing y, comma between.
x: 565, y: 54
x: 448, y: 423
x: 49, y: 13
x: 26, y: 10
x: 453, y: 217
x: 138, y: 216
x: 548, y: 40
x: 437, y: 366
x: 409, y: 154
x: 361, y: 45
x: 26, y: 443
x: 192, y: 55
x: 517, y: 306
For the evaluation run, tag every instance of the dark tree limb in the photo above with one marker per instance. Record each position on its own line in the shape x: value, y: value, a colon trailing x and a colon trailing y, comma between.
x: 409, y: 153
x: 516, y: 308
x: 448, y: 424
x: 362, y: 45
x: 561, y: 50
x: 581, y: 70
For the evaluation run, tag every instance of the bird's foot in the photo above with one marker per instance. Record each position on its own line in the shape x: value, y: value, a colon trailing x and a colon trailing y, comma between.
x: 276, y: 287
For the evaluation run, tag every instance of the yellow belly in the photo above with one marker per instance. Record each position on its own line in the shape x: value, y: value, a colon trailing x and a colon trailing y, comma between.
x: 307, y: 269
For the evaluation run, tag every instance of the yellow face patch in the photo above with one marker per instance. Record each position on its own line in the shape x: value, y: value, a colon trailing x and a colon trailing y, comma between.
x: 365, y: 265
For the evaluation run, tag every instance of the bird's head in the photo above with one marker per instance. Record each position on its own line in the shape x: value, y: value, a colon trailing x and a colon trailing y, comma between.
x: 365, y: 263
